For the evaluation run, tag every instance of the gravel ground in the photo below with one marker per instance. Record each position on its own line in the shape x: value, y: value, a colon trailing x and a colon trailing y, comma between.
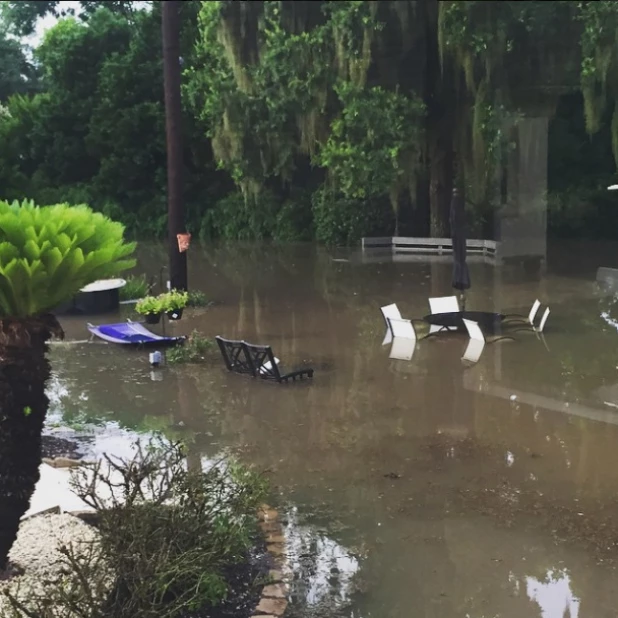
x: 35, y: 553
x: 53, y: 447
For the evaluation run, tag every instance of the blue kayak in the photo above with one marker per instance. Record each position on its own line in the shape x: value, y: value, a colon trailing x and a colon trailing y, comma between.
x: 131, y: 333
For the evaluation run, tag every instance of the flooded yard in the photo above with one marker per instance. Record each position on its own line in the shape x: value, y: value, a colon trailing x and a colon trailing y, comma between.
x: 410, y: 488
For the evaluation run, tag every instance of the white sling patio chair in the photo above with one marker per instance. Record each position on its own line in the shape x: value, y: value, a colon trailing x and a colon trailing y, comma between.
x: 396, y: 326
x: 388, y: 312
x: 402, y: 329
x: 543, y: 321
x: 443, y: 304
x: 477, y: 341
x: 516, y: 317
x: 531, y: 327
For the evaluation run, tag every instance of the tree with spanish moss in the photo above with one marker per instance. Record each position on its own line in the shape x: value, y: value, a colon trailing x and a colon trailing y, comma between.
x: 269, y: 76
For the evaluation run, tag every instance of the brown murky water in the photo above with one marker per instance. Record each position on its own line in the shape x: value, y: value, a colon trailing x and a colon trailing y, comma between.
x: 412, y: 488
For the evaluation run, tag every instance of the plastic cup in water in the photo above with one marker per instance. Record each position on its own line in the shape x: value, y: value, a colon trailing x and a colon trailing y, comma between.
x: 155, y: 358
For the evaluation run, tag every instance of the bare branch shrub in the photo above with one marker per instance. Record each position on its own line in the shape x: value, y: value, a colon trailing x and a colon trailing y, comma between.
x: 166, y: 537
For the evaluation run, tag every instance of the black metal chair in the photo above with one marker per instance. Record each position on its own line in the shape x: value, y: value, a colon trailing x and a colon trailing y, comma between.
x: 257, y: 361
x: 267, y: 366
x: 235, y: 356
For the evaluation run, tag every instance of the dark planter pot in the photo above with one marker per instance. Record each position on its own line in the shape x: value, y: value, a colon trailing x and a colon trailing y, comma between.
x: 97, y: 298
x: 175, y: 315
x: 152, y: 318
x: 93, y: 303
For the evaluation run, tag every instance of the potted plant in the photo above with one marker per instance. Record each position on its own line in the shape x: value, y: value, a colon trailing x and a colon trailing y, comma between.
x: 150, y: 307
x: 173, y: 303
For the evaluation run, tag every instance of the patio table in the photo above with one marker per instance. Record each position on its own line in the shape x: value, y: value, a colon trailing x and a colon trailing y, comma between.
x: 487, y: 320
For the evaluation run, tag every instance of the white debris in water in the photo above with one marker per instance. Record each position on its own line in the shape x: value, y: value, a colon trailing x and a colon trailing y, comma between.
x: 36, y: 553
x: 513, y: 397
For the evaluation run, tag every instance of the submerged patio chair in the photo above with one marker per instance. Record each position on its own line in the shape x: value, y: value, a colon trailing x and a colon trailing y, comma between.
x: 402, y: 329
x: 517, y: 317
x: 267, y: 366
x: 443, y: 304
x: 478, y: 340
x: 531, y: 327
x: 256, y: 360
x: 235, y: 356
x: 391, y: 312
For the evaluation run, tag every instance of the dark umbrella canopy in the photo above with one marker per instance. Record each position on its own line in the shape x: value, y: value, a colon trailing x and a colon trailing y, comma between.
x: 461, y: 274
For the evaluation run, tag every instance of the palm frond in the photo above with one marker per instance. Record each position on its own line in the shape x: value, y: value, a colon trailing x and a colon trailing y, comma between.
x: 48, y: 253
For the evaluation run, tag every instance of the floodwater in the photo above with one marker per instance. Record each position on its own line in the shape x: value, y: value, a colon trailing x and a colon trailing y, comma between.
x: 425, y: 488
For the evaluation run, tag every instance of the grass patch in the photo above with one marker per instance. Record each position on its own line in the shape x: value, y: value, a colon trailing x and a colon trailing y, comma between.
x: 135, y: 288
x: 194, y: 350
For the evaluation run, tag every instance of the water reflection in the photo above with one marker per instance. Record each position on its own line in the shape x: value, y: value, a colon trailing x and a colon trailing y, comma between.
x: 473, y: 473
x: 554, y: 595
x: 323, y: 570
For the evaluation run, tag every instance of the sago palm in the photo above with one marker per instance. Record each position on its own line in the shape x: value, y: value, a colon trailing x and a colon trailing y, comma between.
x: 46, y: 255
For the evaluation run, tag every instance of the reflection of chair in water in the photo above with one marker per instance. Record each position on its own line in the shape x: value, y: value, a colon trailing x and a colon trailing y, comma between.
x: 402, y: 349
x: 477, y: 341
x: 257, y: 361
x: 476, y: 344
x: 404, y: 339
x: 443, y: 304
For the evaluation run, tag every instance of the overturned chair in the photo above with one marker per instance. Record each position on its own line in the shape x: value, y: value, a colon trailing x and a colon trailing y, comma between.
x: 258, y: 361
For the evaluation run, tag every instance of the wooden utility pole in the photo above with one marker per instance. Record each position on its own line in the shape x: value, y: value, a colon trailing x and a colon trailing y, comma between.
x: 173, y: 111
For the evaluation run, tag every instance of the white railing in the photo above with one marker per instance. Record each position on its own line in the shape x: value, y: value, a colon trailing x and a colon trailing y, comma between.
x: 431, y: 246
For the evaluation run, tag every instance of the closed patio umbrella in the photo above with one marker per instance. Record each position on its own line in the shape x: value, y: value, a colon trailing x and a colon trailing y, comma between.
x: 461, y: 274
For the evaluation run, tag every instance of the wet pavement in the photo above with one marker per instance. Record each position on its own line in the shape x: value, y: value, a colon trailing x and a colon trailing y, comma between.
x: 410, y: 488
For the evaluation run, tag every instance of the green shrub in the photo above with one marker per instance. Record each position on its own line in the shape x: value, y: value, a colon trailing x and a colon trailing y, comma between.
x: 194, y: 350
x: 344, y: 221
x: 135, y: 288
x: 48, y: 253
x: 236, y: 218
x: 149, y: 305
x: 173, y: 300
x: 587, y: 211
x: 294, y: 221
x: 167, y: 537
x: 170, y: 301
x: 197, y: 298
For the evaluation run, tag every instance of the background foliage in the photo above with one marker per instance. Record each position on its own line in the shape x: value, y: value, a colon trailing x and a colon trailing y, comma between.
x: 305, y: 120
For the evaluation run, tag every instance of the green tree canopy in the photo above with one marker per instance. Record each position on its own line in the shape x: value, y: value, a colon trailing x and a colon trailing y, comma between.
x: 22, y: 15
x: 334, y: 118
